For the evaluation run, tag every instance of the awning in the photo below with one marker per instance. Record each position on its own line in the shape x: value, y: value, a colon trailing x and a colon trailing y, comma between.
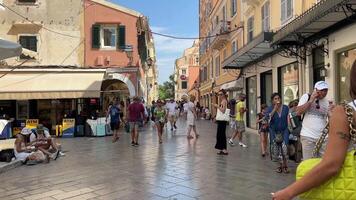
x: 251, y: 53
x: 21, y: 85
x: 29, y: 53
x: 233, y: 85
x: 9, y: 49
x: 327, y: 16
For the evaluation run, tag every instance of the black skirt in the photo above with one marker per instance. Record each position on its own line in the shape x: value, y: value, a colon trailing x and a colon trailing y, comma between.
x: 221, y: 136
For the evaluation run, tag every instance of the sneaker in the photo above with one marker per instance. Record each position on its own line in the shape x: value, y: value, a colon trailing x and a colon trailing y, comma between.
x: 136, y: 144
x: 61, y: 153
x: 55, y: 155
x: 231, y: 143
x: 133, y: 143
x: 243, y: 145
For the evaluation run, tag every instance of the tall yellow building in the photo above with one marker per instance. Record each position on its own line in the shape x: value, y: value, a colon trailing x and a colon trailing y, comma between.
x: 283, y: 46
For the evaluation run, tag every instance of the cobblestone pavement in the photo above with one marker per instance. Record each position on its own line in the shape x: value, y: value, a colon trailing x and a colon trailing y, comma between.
x: 178, y: 169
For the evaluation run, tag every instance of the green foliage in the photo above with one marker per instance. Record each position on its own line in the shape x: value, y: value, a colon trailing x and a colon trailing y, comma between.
x: 166, y: 91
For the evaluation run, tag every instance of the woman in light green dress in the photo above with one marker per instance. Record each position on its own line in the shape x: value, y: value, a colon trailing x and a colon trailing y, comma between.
x: 160, y: 115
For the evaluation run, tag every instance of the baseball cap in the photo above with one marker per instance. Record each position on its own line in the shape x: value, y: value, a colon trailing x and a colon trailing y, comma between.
x: 321, y: 85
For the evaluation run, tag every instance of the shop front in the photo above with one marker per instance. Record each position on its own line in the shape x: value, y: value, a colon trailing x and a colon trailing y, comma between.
x: 288, y: 85
x: 49, y: 95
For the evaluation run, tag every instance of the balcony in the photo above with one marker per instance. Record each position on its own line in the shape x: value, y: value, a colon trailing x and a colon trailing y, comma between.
x: 222, y: 33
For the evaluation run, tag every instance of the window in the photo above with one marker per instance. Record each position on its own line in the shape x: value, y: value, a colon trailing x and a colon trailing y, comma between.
x: 318, y: 63
x: 184, y: 85
x: 184, y: 71
x: 211, y: 68
x: 27, y: 1
x: 28, y: 42
x: 234, y: 47
x: 109, y: 36
x: 288, y: 82
x: 250, y: 22
x: 286, y: 10
x: 233, y: 7
x: 217, y: 66
x: 265, y: 17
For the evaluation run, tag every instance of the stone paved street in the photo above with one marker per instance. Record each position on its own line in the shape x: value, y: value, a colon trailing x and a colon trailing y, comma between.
x: 95, y: 168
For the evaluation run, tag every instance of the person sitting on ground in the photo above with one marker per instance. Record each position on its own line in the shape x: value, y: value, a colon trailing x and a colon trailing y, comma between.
x: 23, y: 150
x: 41, y: 140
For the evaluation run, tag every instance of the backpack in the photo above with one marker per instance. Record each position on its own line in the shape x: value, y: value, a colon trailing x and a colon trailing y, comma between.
x: 114, y: 113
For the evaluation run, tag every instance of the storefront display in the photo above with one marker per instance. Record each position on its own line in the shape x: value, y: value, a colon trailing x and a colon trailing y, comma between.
x: 288, y: 83
x: 345, y: 61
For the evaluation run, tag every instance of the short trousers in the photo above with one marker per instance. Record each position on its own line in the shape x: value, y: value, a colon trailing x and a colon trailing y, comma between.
x: 134, y: 125
x: 115, y: 126
x: 308, y: 145
x: 172, y: 117
x: 23, y: 155
x: 239, y: 126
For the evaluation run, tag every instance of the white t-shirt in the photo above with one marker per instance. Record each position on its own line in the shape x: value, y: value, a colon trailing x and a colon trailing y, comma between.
x: 189, y: 107
x: 314, y: 120
x: 171, y: 107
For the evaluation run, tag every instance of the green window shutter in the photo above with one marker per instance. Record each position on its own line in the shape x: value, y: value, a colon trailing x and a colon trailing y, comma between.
x: 95, y: 34
x: 121, y: 37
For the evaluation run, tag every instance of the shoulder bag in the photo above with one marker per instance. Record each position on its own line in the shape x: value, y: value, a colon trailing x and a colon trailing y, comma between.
x: 341, y: 186
x: 220, y: 116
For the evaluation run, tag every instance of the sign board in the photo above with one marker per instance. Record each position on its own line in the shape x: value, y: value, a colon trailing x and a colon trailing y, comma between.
x: 31, y: 123
x: 68, y: 125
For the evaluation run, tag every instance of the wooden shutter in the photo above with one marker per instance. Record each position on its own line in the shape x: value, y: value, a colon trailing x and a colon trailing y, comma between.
x: 95, y: 34
x: 121, y: 36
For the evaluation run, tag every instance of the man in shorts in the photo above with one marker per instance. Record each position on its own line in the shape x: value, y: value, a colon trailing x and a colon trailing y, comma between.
x: 240, y: 110
x: 171, y: 109
x: 136, y: 112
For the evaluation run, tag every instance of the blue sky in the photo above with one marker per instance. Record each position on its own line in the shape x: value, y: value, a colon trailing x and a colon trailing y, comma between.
x: 173, y: 17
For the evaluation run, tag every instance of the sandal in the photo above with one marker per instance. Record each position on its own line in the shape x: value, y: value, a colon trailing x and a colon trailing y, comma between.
x: 279, y: 170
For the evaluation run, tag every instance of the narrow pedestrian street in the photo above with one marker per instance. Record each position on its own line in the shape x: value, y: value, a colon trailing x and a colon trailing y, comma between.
x: 95, y: 168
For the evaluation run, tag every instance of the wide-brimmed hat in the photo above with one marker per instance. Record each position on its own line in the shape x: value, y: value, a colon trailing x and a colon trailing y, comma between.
x: 26, y: 131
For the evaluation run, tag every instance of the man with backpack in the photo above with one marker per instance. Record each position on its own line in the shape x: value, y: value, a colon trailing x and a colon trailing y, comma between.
x: 315, y: 108
x: 114, y: 112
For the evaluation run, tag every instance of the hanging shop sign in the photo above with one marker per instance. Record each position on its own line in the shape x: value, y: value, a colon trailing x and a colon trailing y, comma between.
x: 31, y: 123
x: 183, y: 77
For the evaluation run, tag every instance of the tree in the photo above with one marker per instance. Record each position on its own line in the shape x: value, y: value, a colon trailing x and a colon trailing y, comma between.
x: 166, y: 91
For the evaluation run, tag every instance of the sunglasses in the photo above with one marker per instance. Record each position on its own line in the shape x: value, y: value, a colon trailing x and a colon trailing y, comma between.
x: 317, y: 104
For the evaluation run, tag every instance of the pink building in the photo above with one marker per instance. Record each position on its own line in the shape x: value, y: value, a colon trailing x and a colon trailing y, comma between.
x: 112, y: 41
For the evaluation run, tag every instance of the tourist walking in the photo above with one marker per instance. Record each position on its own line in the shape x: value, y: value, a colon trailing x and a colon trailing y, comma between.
x: 240, y: 110
x: 279, y: 133
x: 136, y: 112
x: 221, y: 128
x: 191, y: 117
x: 114, y: 113
x: 340, y: 141
x: 263, y: 129
x: 171, y: 109
x: 160, y: 116
x: 315, y: 108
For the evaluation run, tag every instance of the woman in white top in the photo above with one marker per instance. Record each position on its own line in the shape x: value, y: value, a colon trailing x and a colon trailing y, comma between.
x: 191, y: 117
x: 339, y: 143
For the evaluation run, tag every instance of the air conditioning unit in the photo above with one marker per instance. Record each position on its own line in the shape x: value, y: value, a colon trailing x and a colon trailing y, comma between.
x: 99, y: 61
x: 107, y: 60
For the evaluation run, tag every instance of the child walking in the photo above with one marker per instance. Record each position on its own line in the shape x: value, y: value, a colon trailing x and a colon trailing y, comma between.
x: 263, y: 129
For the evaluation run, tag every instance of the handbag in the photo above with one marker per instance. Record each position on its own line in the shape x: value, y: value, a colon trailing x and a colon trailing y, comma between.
x: 341, y: 186
x: 220, y: 116
x: 279, y: 137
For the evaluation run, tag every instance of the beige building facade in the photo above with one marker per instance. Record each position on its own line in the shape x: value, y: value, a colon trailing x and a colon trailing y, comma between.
x: 281, y: 46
